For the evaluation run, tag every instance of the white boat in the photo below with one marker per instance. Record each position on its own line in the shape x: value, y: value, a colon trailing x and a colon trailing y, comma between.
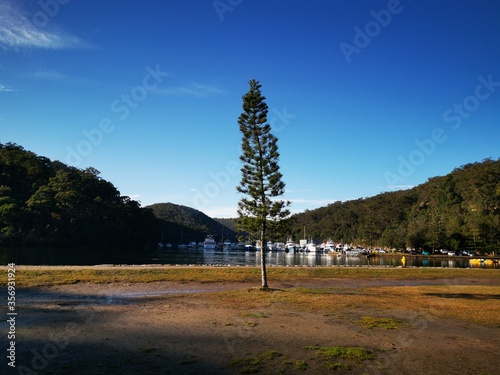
x: 290, y: 246
x: 329, y: 247
x: 227, y: 245
x: 311, y: 246
x: 271, y: 246
x: 209, y: 243
x: 280, y: 246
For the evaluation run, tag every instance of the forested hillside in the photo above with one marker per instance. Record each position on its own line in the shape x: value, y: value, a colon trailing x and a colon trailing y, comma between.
x: 181, y: 224
x: 47, y: 202
x: 458, y: 211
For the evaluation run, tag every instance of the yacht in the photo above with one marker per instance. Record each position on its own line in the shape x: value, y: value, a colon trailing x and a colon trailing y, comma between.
x: 290, y: 246
x: 329, y: 247
x: 209, y: 243
x: 271, y: 246
x: 311, y: 247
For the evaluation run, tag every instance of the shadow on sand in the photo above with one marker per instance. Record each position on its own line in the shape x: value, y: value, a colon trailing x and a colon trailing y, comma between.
x: 66, y: 333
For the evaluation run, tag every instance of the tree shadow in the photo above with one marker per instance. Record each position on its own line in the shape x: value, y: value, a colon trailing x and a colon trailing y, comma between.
x: 66, y: 333
x: 479, y: 297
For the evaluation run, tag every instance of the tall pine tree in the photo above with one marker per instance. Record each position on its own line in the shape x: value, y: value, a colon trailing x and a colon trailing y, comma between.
x: 261, y: 180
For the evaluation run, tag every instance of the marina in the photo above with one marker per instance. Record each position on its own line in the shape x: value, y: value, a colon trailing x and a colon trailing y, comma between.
x: 316, y: 259
x: 247, y: 255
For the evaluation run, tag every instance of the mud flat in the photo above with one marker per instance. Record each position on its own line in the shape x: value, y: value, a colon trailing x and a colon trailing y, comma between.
x: 312, y: 323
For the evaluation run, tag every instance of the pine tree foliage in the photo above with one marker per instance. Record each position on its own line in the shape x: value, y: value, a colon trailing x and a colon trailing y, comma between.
x: 261, y: 181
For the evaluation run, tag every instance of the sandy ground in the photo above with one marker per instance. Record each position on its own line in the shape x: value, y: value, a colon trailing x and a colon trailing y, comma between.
x: 169, y: 328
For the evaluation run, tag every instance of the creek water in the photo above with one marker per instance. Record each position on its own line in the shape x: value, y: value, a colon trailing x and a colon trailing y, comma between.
x: 281, y: 258
x: 96, y: 256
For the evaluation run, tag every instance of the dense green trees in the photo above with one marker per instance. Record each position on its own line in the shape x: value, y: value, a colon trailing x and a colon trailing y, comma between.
x: 48, y: 202
x: 181, y: 224
x: 45, y: 202
x: 458, y: 211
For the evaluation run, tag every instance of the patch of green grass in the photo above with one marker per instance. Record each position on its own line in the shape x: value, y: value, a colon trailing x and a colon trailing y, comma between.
x: 421, y: 300
x: 270, y: 355
x: 252, y: 365
x: 353, y: 353
x: 301, y: 365
x: 371, y: 322
x: 29, y: 276
x: 247, y: 365
x: 337, y: 367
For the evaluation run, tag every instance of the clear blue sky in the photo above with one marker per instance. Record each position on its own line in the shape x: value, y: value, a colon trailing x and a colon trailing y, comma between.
x: 364, y: 96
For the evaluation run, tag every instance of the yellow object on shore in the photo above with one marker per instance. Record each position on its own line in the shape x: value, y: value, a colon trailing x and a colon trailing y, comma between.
x: 403, y: 260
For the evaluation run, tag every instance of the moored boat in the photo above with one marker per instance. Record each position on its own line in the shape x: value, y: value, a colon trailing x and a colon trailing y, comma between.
x: 209, y: 243
x: 290, y: 246
x: 329, y: 247
x: 311, y: 247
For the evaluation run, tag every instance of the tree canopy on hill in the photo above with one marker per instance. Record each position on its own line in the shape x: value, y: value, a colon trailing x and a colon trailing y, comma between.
x: 47, y: 202
x: 186, y: 224
x: 458, y: 211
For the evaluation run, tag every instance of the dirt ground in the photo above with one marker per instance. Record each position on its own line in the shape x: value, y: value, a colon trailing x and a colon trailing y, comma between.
x: 169, y: 328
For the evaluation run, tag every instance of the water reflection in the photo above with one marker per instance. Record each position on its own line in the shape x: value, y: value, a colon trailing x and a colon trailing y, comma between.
x: 281, y: 258
x: 93, y: 256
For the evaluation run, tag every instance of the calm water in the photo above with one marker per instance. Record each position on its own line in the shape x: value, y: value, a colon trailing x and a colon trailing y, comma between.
x: 70, y: 256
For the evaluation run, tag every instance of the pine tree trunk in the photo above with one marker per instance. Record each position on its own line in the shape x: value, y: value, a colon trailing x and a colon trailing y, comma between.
x: 263, y: 262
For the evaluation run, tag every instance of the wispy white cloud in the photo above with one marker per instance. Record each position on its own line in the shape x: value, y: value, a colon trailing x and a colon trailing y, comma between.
x: 192, y: 89
x: 18, y: 31
x: 4, y: 88
x: 54, y: 75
